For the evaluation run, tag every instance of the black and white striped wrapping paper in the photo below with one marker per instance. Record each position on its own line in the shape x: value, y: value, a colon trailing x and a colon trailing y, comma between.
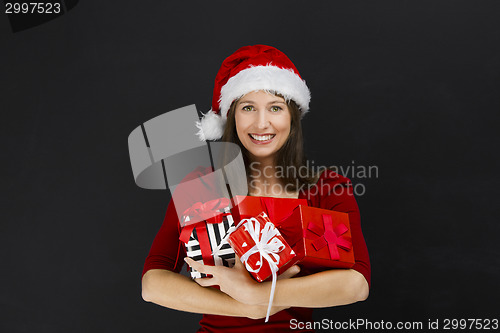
x: 216, y: 233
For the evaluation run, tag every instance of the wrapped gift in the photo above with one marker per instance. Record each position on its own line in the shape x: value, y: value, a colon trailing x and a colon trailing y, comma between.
x: 261, y: 249
x: 277, y: 209
x: 203, y: 238
x: 276, y: 251
x: 325, y: 240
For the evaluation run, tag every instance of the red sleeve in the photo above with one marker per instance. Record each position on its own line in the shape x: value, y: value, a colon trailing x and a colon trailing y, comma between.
x: 167, y: 251
x: 335, y: 192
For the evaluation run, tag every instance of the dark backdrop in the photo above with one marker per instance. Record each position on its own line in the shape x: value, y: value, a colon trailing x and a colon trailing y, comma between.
x: 411, y: 87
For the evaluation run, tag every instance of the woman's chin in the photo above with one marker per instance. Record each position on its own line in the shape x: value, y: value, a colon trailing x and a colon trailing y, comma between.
x: 261, y: 155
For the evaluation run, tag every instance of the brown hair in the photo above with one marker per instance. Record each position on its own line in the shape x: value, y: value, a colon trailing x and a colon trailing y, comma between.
x: 290, y: 155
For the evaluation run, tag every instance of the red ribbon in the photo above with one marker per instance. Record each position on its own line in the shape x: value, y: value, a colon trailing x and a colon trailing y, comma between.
x: 207, y: 212
x: 330, y: 236
x: 205, y: 248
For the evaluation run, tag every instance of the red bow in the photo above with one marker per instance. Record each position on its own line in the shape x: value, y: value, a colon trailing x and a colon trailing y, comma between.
x: 208, y: 211
x: 330, y: 236
x: 203, y: 212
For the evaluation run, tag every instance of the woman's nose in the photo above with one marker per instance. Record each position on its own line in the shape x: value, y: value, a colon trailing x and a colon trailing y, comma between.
x: 262, y: 121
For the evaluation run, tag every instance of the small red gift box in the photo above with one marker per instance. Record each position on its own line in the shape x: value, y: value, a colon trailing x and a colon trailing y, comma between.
x: 277, y: 209
x: 273, y: 250
x: 325, y: 240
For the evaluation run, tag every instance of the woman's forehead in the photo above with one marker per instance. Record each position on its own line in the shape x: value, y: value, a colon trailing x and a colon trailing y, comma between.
x: 261, y: 96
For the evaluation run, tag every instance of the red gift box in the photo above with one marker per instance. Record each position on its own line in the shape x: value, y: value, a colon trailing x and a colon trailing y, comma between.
x: 277, y: 209
x: 325, y: 240
x: 203, y: 238
x: 275, y: 250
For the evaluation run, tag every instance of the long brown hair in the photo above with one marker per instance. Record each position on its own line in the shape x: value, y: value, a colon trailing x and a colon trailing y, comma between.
x: 289, y: 156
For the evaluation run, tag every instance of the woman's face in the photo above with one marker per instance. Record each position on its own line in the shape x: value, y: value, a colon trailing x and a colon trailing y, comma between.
x: 262, y: 123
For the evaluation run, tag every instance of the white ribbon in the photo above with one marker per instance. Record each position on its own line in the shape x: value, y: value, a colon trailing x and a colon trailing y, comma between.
x: 268, y: 247
x: 225, y: 238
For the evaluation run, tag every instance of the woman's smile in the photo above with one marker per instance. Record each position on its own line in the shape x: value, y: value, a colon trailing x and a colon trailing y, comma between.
x: 261, y: 139
x: 263, y: 123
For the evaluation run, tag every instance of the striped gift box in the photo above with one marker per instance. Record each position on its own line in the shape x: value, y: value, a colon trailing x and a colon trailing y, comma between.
x: 216, y: 233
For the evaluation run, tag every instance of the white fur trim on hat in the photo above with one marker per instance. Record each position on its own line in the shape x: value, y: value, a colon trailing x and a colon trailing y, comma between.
x: 210, y: 127
x: 270, y: 78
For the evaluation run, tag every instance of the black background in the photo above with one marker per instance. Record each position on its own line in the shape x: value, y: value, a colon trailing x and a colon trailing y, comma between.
x: 411, y: 87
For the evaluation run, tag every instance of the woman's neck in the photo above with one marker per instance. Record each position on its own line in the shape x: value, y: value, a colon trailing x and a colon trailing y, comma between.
x: 264, y: 181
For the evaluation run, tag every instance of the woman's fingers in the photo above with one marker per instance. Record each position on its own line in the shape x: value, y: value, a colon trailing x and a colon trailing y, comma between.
x: 205, y: 282
x: 198, y: 266
x: 237, y: 262
x: 291, y: 272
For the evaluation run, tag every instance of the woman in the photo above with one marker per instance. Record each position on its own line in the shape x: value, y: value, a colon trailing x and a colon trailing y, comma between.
x: 259, y: 99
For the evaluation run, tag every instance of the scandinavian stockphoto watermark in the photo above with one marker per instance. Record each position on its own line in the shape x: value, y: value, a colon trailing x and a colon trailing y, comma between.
x: 358, y: 174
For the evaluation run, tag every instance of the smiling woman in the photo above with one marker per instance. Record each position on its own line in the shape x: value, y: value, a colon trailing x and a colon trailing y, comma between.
x: 262, y: 123
x: 287, y: 155
x: 258, y: 102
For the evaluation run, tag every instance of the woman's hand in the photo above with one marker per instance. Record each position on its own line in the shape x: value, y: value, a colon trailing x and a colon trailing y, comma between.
x: 236, y: 282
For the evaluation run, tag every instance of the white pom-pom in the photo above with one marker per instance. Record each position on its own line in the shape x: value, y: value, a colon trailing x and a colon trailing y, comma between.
x: 211, y: 126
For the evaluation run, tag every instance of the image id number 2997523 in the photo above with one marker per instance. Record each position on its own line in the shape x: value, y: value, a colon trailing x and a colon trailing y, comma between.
x: 32, y: 8
x: 478, y: 324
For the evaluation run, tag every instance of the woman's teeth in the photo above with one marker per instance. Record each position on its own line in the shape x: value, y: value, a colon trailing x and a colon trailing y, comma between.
x: 262, y: 137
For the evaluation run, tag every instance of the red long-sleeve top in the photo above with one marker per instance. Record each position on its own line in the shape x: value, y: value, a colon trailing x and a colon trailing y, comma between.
x: 332, y: 191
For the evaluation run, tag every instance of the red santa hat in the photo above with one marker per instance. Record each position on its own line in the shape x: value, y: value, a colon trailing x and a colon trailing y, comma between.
x: 252, y: 68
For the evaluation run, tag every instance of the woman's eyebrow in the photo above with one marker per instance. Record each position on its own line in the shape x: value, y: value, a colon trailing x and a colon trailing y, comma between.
x: 276, y: 102
x: 252, y: 102
x: 246, y: 101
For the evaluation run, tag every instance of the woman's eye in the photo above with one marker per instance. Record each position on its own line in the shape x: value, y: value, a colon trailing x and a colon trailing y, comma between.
x: 247, y: 108
x: 275, y: 108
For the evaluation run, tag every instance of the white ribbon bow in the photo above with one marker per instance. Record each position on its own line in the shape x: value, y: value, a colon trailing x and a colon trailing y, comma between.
x: 268, y: 247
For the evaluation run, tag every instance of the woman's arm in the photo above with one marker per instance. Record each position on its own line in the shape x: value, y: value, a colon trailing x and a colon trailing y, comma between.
x: 323, y: 289
x: 173, y: 290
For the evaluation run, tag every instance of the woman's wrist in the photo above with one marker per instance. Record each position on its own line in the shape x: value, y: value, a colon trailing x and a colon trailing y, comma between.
x: 248, y: 310
x: 259, y: 293
x: 253, y: 311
